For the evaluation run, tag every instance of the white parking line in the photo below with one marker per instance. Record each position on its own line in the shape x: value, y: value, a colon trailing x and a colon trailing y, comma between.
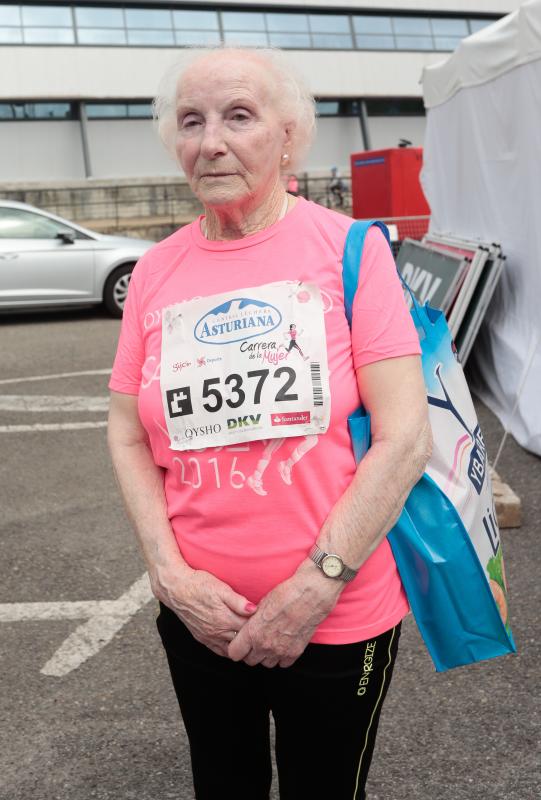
x: 84, y: 609
x: 105, y: 619
x: 52, y: 426
x: 49, y: 402
x: 5, y: 381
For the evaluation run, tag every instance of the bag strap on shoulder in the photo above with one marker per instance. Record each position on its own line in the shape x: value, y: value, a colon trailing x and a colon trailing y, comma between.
x: 351, y: 265
x: 351, y: 261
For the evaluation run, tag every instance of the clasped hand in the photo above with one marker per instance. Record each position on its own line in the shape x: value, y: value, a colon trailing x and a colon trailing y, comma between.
x: 211, y: 610
x: 285, y: 620
x: 274, y: 632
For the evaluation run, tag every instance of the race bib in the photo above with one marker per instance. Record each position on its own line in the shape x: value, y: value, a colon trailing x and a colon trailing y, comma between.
x: 245, y: 365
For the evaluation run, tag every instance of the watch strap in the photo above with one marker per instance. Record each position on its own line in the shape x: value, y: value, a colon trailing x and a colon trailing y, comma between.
x: 348, y: 574
x: 317, y: 555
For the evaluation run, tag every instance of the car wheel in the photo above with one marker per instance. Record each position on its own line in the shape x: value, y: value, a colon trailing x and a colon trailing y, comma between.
x: 116, y: 290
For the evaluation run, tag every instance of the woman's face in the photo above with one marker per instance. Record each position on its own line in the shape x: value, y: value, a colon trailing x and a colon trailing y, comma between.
x: 229, y: 137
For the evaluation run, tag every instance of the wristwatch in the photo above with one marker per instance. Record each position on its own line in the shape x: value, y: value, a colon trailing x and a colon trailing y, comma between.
x: 331, y: 565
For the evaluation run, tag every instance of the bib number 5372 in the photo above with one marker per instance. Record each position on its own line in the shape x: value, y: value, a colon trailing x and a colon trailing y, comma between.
x: 237, y: 395
x: 234, y: 391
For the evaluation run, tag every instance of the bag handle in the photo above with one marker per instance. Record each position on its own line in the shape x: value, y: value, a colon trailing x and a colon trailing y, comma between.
x: 351, y: 265
x: 351, y: 261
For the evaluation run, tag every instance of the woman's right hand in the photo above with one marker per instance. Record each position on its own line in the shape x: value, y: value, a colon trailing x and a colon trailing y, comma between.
x: 211, y: 610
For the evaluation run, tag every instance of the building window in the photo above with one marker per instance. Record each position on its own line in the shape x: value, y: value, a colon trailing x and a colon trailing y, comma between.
x: 412, y: 26
x: 100, y: 26
x: 111, y: 36
x: 140, y: 110
x: 373, y: 32
x: 243, y: 21
x: 42, y: 15
x: 327, y: 108
x: 449, y: 26
x: 36, y: 111
x: 372, y: 25
x: 330, y: 31
x: 148, y: 18
x: 196, y: 20
x: 196, y: 28
x: 479, y: 24
x: 287, y: 23
x: 244, y: 28
x: 135, y: 110
x: 412, y: 33
x: 395, y: 107
x: 161, y: 38
x: 48, y: 36
x: 99, y: 17
x: 338, y: 108
x: 162, y: 25
x: 11, y: 36
x: 149, y: 27
x: 47, y: 25
x: 194, y: 38
x: 289, y: 30
x: 10, y: 15
x: 246, y: 38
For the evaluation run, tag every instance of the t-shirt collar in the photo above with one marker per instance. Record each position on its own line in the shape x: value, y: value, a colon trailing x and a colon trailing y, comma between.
x: 280, y: 226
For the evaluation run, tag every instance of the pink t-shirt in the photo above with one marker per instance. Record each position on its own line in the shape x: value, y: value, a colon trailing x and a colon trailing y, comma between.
x: 249, y: 513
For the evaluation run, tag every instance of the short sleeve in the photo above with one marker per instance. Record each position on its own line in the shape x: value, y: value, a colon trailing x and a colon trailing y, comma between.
x: 130, y: 353
x: 381, y: 323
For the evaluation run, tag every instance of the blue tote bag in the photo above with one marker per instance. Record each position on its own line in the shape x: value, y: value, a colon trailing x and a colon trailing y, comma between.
x: 446, y: 542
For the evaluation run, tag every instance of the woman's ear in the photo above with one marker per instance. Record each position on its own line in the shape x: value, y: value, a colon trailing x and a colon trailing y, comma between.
x: 288, y: 133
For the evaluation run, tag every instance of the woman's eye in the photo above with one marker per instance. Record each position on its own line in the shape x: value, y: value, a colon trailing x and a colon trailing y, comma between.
x: 189, y: 122
x: 239, y: 116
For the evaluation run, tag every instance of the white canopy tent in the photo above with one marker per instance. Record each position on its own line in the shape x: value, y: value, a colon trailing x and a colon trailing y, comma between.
x: 482, y: 179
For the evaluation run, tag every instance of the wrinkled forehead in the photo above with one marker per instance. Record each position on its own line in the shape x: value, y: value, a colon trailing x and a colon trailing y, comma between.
x: 228, y: 73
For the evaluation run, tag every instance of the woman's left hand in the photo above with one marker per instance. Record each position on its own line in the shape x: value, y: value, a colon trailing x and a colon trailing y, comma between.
x: 286, y: 618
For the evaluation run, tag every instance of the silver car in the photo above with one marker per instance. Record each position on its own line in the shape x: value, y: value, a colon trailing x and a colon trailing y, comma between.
x: 46, y: 261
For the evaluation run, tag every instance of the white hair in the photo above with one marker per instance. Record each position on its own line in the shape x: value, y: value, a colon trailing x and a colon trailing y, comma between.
x: 295, y: 103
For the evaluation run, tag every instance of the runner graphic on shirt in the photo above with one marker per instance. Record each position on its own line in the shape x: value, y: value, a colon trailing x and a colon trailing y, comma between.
x: 285, y: 468
x: 293, y: 344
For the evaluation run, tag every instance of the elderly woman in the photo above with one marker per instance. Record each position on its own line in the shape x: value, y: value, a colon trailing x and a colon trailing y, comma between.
x: 232, y: 384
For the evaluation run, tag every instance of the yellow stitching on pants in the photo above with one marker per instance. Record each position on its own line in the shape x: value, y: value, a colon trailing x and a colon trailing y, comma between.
x: 373, y: 713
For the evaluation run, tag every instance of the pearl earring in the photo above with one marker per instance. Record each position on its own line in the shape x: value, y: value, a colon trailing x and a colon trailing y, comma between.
x: 285, y: 158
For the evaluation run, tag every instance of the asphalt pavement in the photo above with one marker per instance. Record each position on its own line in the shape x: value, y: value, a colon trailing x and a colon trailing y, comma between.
x: 86, y: 704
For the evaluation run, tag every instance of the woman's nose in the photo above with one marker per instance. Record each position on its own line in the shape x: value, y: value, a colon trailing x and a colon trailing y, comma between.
x: 213, y: 142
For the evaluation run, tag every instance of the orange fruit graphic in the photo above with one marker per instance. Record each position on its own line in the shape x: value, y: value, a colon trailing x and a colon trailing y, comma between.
x: 499, y: 597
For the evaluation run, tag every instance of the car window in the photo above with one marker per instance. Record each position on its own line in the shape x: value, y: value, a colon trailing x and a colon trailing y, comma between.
x: 15, y: 223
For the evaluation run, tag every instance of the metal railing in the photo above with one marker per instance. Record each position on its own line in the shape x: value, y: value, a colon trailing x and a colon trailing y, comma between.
x: 170, y: 203
x: 114, y: 205
x: 319, y: 189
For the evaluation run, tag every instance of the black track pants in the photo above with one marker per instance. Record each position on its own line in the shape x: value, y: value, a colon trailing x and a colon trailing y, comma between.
x: 326, y: 709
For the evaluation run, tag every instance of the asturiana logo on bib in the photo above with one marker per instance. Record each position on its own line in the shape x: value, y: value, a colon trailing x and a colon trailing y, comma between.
x: 236, y: 320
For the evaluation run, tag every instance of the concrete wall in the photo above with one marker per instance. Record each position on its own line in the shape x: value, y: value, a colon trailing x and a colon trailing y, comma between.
x: 386, y: 131
x: 336, y: 138
x: 127, y: 148
x: 131, y: 148
x: 109, y: 73
x: 44, y: 151
x: 40, y: 150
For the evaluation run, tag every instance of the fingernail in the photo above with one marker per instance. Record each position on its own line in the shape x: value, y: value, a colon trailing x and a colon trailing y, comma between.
x: 250, y: 608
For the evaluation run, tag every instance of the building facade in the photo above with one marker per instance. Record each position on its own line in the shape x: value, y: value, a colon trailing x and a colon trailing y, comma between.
x: 77, y: 78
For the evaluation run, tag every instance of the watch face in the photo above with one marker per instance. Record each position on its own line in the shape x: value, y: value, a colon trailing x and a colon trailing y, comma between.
x: 332, y: 566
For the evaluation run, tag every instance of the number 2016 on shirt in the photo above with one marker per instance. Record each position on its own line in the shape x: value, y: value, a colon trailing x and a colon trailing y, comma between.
x: 234, y: 391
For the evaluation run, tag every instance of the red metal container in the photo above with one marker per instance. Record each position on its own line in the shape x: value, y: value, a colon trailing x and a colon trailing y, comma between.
x: 385, y: 183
